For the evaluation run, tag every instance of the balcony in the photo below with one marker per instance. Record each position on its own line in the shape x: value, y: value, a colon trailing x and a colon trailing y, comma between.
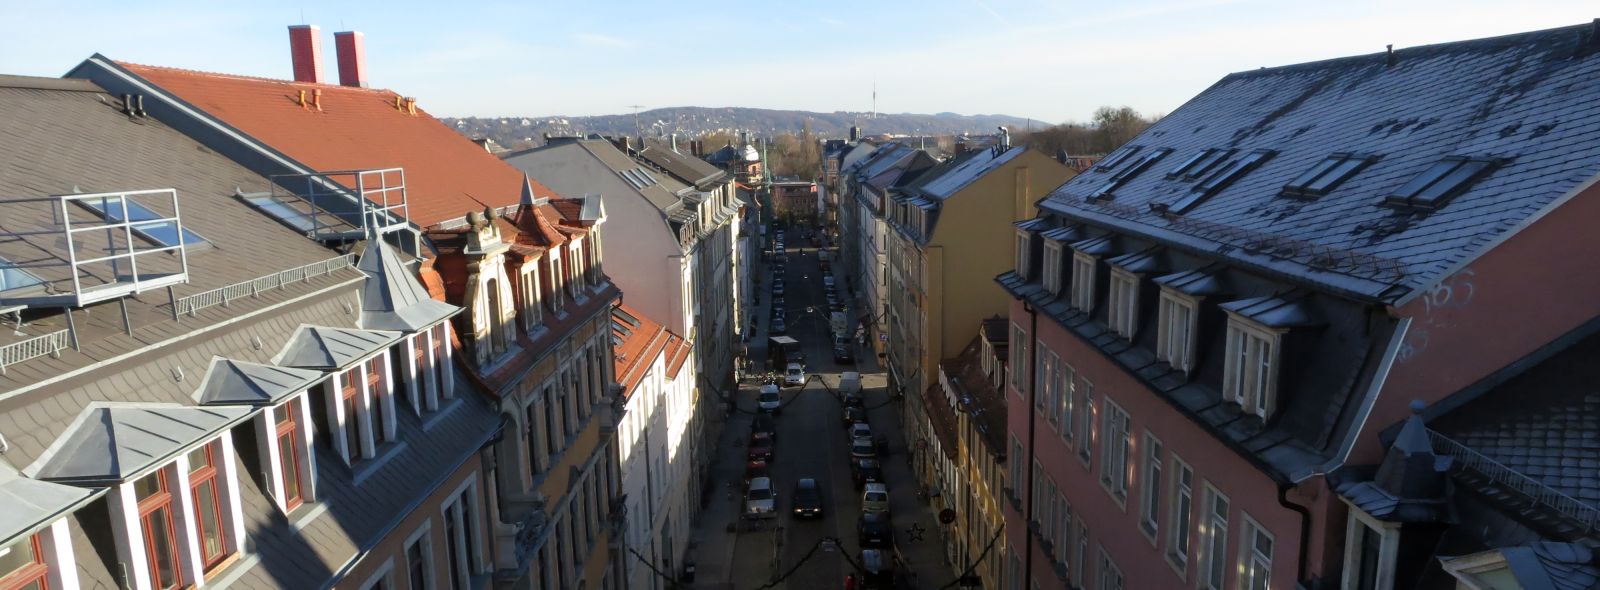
x: 517, y: 538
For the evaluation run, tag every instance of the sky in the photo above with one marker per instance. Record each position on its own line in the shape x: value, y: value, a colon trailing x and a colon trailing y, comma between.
x: 1052, y: 61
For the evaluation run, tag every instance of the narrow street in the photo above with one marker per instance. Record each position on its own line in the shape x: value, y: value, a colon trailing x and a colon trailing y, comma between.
x: 811, y: 443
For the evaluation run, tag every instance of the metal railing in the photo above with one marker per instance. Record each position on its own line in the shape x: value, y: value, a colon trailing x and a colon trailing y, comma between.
x: 1552, y: 499
x: 48, y: 344
x: 343, y: 202
x: 223, y: 295
x: 105, y: 238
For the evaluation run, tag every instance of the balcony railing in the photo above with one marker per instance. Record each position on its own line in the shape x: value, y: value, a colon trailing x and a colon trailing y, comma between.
x: 1550, y: 498
x: 251, y: 288
x: 96, y: 246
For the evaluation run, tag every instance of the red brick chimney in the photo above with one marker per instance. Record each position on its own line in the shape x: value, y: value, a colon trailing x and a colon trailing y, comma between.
x: 305, y: 48
x: 352, y: 48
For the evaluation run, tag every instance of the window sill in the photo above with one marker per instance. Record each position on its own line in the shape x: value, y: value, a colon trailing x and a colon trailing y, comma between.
x: 1179, y: 565
x: 1120, y: 497
x: 1151, y: 532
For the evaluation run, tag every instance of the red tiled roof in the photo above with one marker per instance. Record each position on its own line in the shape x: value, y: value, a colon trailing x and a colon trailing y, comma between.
x: 640, y: 346
x: 447, y: 174
x: 677, y: 356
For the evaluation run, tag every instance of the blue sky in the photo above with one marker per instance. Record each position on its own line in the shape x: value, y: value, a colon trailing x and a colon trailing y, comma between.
x: 1050, y: 60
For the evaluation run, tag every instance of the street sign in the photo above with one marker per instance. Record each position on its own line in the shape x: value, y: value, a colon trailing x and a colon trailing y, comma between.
x: 947, y: 516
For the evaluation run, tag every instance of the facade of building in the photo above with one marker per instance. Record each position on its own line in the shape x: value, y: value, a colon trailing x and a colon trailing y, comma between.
x: 670, y: 250
x: 795, y: 200
x: 953, y: 222
x: 1225, y: 313
x: 524, y: 264
x: 972, y: 386
x: 863, y: 232
x: 655, y: 437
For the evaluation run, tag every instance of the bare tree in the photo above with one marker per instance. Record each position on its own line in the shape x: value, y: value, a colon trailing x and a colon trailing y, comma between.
x: 1108, y: 129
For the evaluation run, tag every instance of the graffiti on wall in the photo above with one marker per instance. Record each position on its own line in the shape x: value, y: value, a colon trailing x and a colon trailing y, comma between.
x: 1439, y: 305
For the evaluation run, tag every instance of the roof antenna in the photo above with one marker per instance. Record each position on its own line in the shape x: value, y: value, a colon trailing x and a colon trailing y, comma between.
x: 1391, y: 58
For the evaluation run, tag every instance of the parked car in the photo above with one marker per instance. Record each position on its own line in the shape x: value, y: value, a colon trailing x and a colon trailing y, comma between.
x: 843, y: 354
x: 858, y: 430
x: 875, y: 498
x: 807, y: 499
x: 854, y: 400
x: 755, y: 469
x: 760, y: 500
x: 878, y: 570
x: 769, y: 400
x: 794, y: 374
x: 778, y: 326
x: 778, y: 302
x: 761, y: 447
x: 866, y: 471
x: 854, y: 415
x: 777, y: 288
x: 873, y: 530
x: 827, y: 281
x: 763, y: 423
x: 825, y: 264
x: 862, y: 448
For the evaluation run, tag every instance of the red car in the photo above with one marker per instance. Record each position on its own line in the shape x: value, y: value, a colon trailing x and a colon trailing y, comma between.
x: 755, y: 469
x: 761, y: 447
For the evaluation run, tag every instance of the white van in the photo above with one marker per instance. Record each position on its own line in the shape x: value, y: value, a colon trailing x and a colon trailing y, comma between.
x: 849, y: 383
x: 875, y: 498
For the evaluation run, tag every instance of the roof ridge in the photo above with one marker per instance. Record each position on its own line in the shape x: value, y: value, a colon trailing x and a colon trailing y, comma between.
x: 225, y: 76
x: 1430, y: 48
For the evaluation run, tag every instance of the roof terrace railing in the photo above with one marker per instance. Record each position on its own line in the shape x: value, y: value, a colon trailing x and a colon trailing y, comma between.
x: 343, y: 202
x: 251, y: 288
x: 1550, y: 498
x: 47, y: 344
x: 93, y: 246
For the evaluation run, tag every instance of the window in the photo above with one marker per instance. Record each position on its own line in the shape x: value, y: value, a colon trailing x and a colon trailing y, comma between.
x: 1327, y: 174
x: 1085, y: 412
x: 1013, y: 571
x: 22, y: 565
x: 554, y: 432
x: 532, y: 315
x: 1174, y: 343
x: 1214, y: 541
x: 1019, y: 360
x: 1052, y: 267
x: 285, y: 209
x: 1014, y: 466
x: 419, y: 560
x: 1442, y: 181
x: 1083, y: 266
x: 378, y: 399
x: 1080, y: 560
x: 460, y: 537
x: 286, y: 427
x: 158, y: 529
x: 1024, y: 243
x: 1117, y: 157
x: 381, y: 580
x: 1066, y: 380
x: 1116, y: 441
x: 1198, y: 164
x: 1041, y: 389
x: 1110, y: 576
x: 1255, y: 557
x: 1370, y: 550
x: 163, y: 233
x: 12, y: 277
x: 1182, y: 509
x: 1129, y: 172
x: 1150, y: 488
x: 1063, y: 528
x: 208, y: 507
x: 1251, y: 368
x: 1123, y: 303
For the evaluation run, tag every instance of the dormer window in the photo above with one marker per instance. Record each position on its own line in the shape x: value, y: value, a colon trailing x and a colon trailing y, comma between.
x: 1123, y: 303
x: 1251, y: 371
x: 1052, y: 267
x: 1327, y: 174
x: 1443, y: 181
x: 1024, y: 244
x: 557, y: 301
x: 532, y: 314
x: 1083, y: 268
x: 1175, y: 342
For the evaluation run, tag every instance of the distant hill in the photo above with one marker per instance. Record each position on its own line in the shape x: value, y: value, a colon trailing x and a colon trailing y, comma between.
x: 694, y: 121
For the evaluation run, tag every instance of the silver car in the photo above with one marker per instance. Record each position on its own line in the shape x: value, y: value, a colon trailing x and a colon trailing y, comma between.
x: 760, y: 501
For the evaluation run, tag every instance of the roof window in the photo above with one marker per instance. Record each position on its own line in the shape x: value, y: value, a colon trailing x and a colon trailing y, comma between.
x: 1328, y: 174
x: 283, y: 210
x: 15, y: 277
x: 1198, y: 164
x: 1220, y: 179
x: 1443, y: 181
x: 1144, y: 162
x: 161, y: 229
x: 1117, y: 157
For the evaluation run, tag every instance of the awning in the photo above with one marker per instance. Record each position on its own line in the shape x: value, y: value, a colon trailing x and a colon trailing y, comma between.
x: 231, y: 382
x: 321, y: 347
x: 111, y: 443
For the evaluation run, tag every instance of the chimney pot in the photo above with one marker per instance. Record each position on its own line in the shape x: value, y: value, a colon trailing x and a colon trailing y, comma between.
x: 305, y: 49
x: 352, y: 50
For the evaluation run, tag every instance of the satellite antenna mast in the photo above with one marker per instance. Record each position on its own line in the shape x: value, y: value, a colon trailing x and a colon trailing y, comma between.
x: 637, y: 130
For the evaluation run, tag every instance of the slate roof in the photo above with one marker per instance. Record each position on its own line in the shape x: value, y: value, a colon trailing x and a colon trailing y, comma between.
x: 686, y: 168
x: 955, y: 174
x: 985, y: 405
x: 235, y: 382
x: 110, y: 443
x: 356, y: 128
x: 1532, y: 99
x: 392, y: 298
x: 326, y: 347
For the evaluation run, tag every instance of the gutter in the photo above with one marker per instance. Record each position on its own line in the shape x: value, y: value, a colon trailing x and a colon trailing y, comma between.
x: 1305, y: 531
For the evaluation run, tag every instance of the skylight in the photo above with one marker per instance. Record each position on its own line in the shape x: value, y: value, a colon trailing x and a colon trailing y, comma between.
x: 283, y: 210
x: 1198, y: 164
x: 1140, y: 165
x: 1220, y: 179
x: 164, y: 233
x: 1443, y: 181
x: 14, y: 277
x: 1117, y: 157
x: 1328, y: 174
